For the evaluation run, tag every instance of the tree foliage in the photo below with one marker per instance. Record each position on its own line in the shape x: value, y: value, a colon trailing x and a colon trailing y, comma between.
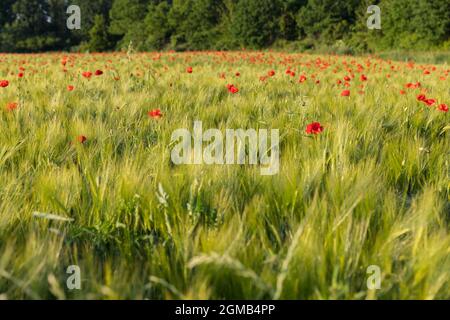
x: 40, y: 25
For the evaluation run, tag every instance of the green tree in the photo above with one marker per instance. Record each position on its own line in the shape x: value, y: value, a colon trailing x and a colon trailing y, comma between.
x: 201, y: 25
x: 99, y: 39
x: 178, y: 14
x: 89, y: 10
x: 30, y: 29
x: 255, y: 22
x: 414, y: 24
x: 157, y: 25
x: 128, y: 22
x: 326, y: 21
x: 6, y: 12
x: 6, y: 17
x: 287, y: 23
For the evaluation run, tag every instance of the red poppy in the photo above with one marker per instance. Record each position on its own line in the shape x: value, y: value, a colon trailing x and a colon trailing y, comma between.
x: 402, y: 92
x: 70, y: 88
x: 155, y: 114
x: 314, y: 128
x: 20, y: 75
x: 363, y: 78
x: 345, y: 93
x: 98, y: 72
x: 347, y: 78
x: 271, y: 73
x: 443, y: 107
x: 430, y: 102
x: 232, y: 89
x: 4, y: 83
x: 87, y: 74
x: 421, y: 97
x: 189, y: 70
x: 302, y: 79
x: 238, y: 74
x: 12, y: 106
x: 81, y: 139
x: 413, y: 85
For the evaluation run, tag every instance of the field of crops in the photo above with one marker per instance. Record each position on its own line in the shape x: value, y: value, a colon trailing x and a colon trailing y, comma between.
x: 87, y: 180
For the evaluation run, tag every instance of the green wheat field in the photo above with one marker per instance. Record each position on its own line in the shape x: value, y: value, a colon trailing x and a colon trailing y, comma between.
x: 86, y: 177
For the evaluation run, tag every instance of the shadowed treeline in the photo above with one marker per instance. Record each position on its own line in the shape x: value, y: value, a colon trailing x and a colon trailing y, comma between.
x: 319, y: 25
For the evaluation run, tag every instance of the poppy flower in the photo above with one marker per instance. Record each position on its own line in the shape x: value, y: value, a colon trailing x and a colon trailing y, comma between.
x: 81, y: 139
x: 238, y: 74
x: 189, y: 70
x: 345, y: 93
x: 87, y: 74
x: 20, y: 75
x: 363, y: 78
x: 98, y: 72
x: 314, y: 128
x: 421, y: 97
x: 70, y: 88
x: 302, y: 79
x: 402, y: 92
x: 347, y: 78
x: 413, y: 85
x: 155, y: 114
x: 271, y: 73
x: 12, y: 106
x: 430, y: 102
x: 232, y: 89
x: 443, y: 107
x: 4, y: 83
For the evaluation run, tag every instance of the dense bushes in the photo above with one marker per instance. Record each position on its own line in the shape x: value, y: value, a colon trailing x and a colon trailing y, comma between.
x: 38, y: 25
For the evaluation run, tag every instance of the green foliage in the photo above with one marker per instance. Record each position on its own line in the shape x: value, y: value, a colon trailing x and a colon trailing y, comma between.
x: 157, y: 26
x: 255, y: 23
x: 418, y: 24
x: 331, y: 25
x: 99, y: 39
x: 89, y: 11
x: 200, y: 28
x: 127, y: 21
x: 326, y: 21
x: 31, y: 31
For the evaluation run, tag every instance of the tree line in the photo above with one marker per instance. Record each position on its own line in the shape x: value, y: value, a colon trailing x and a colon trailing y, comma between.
x: 106, y: 25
